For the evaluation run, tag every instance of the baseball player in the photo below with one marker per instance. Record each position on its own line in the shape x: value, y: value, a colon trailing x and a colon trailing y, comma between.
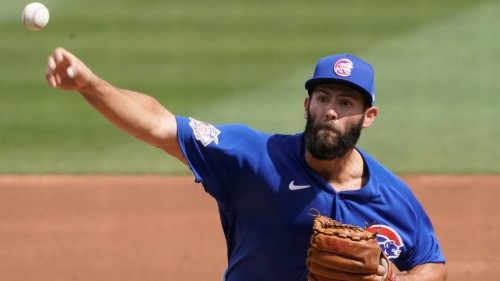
x: 266, y: 184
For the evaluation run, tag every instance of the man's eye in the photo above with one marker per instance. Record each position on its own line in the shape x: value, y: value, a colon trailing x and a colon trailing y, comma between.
x: 345, y: 102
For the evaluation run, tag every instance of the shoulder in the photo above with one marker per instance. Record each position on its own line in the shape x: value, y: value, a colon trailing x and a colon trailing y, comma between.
x: 280, y: 144
x: 380, y: 172
x: 207, y: 133
x: 386, y: 182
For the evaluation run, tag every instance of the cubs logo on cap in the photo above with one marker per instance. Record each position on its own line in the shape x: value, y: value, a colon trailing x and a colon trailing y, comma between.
x: 343, y: 67
x: 389, y: 240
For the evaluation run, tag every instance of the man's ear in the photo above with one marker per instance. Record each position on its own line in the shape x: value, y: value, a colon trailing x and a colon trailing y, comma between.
x: 370, y: 115
x: 306, y: 106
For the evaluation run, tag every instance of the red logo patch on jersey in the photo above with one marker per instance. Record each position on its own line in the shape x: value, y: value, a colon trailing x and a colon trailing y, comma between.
x: 343, y: 67
x: 389, y: 240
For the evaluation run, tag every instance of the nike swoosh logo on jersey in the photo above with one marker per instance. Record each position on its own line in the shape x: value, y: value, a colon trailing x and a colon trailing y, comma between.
x: 292, y: 186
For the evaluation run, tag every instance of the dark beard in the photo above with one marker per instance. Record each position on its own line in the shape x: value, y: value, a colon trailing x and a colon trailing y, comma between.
x: 323, y: 146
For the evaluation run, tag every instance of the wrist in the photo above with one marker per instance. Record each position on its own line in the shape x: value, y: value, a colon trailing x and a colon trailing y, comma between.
x: 92, y: 86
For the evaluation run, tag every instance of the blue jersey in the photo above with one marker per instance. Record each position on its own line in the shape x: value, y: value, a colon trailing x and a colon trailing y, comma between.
x: 265, y: 191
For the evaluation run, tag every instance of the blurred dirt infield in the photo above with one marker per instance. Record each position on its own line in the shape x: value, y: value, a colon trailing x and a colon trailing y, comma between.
x: 120, y: 228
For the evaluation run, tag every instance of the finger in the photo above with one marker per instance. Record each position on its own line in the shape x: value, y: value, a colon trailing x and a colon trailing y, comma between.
x: 52, y: 81
x: 381, y: 270
x: 51, y: 64
x: 49, y: 74
x: 68, y: 57
x: 71, y: 72
x: 65, y: 56
x: 58, y: 55
x: 50, y: 78
x: 380, y: 273
x: 60, y: 50
x: 57, y: 79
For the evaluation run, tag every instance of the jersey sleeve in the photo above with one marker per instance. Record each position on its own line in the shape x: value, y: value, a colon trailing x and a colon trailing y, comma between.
x: 425, y: 247
x: 220, y: 157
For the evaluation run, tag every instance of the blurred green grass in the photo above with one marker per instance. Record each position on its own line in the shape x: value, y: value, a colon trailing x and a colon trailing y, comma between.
x: 246, y: 61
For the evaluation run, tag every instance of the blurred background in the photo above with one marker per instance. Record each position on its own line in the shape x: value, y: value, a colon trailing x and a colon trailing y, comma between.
x: 246, y: 61
x: 233, y: 61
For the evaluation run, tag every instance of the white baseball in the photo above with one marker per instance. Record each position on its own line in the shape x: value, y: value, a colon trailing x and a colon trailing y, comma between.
x: 35, y: 16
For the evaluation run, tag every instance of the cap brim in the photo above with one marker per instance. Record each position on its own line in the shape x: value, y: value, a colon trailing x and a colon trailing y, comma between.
x: 312, y: 83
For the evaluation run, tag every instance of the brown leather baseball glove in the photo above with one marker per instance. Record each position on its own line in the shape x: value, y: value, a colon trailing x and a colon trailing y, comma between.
x: 342, y: 252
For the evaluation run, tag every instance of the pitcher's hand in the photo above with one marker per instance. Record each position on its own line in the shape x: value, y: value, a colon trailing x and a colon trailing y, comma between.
x: 65, y: 71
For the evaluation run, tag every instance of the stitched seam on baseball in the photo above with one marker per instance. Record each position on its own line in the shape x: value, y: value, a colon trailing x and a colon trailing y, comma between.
x: 33, y: 18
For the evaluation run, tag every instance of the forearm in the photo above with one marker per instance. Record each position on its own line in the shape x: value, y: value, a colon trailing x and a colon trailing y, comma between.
x: 135, y: 113
x: 139, y: 115
x: 425, y: 272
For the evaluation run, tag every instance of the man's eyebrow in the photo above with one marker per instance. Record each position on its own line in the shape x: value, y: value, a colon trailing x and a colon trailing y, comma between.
x: 325, y: 90
x: 341, y: 90
x: 347, y: 94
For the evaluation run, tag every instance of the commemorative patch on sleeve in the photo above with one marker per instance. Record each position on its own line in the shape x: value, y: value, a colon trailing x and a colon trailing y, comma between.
x: 204, y: 132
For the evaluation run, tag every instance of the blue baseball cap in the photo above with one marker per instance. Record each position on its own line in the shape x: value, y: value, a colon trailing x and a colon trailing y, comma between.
x: 344, y: 69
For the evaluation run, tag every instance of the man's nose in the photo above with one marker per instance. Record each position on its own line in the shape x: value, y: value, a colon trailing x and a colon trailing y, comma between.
x: 331, y: 113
